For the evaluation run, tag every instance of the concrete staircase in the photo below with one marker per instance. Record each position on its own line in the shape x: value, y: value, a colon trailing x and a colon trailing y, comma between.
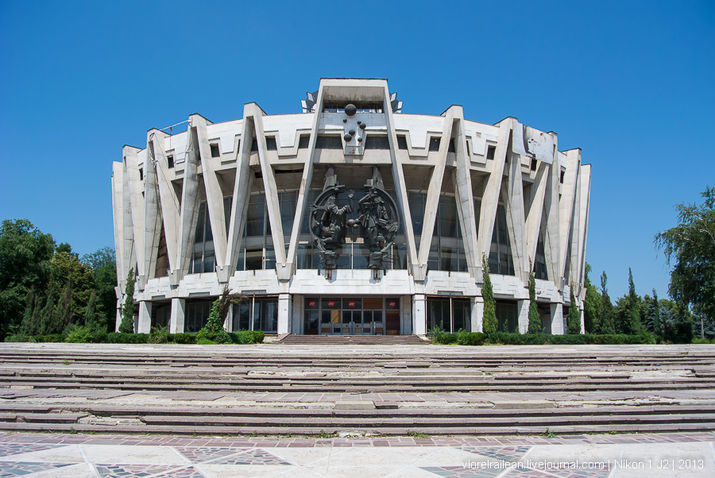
x: 319, y: 389
x: 293, y: 339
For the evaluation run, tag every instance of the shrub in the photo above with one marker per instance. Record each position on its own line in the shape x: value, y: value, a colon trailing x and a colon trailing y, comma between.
x: 213, y: 330
x: 159, y: 335
x: 470, y: 338
x: 18, y: 338
x: 205, y: 341
x: 124, y: 338
x: 48, y: 338
x: 183, y: 338
x: 247, y: 337
x: 79, y: 334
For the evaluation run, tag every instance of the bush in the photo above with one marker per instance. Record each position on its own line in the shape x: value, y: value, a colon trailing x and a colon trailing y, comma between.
x: 48, y: 338
x: 247, y: 337
x: 698, y: 340
x: 505, y: 338
x: 18, y: 338
x: 124, y: 338
x: 159, y: 335
x: 183, y: 338
x: 679, y: 331
x: 78, y: 334
x: 213, y: 330
x: 205, y: 341
x: 470, y: 338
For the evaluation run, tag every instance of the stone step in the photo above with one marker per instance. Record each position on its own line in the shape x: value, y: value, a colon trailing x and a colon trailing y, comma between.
x: 329, y: 431
x: 486, y: 413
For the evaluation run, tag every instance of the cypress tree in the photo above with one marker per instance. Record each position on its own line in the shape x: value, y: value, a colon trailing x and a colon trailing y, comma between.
x: 45, y: 316
x: 606, y: 324
x: 127, y: 324
x: 92, y: 319
x: 573, y: 322
x: 62, y: 312
x: 534, y: 318
x: 489, y: 322
x: 632, y: 320
x: 29, y: 323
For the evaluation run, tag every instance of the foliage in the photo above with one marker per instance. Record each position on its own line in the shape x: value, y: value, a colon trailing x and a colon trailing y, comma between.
x: 24, y: 264
x: 627, y: 312
x: 489, y: 322
x: 159, y: 335
x: 103, y: 266
x: 506, y: 338
x: 573, y: 321
x: 127, y: 324
x: 247, y: 337
x: 606, y: 324
x: 66, y: 268
x: 690, y: 248
x: 534, y: 317
x: 79, y: 334
x: 213, y: 330
x: 591, y: 305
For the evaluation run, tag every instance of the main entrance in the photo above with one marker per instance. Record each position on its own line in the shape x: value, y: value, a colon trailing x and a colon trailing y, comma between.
x: 352, y: 315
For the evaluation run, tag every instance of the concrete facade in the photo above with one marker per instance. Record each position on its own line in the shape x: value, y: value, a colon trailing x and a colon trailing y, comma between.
x: 224, y: 205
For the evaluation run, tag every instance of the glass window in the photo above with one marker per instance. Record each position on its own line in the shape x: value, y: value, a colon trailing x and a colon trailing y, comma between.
x: 197, y: 311
x: 202, y: 256
x: 507, y: 316
x: 500, y: 258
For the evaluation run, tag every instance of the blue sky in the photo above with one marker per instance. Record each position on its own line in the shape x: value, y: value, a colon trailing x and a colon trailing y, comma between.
x: 631, y: 83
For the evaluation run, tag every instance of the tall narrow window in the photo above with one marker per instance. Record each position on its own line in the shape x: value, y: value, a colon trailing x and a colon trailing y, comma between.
x: 215, y: 153
x: 500, y: 259
x: 491, y: 150
x: 170, y: 161
x: 434, y: 144
x: 203, y: 256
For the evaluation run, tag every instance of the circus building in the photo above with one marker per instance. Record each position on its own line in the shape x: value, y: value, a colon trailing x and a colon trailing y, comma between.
x: 350, y: 217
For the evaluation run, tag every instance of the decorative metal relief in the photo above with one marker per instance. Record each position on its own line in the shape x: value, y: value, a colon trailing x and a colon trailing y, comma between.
x: 333, y: 217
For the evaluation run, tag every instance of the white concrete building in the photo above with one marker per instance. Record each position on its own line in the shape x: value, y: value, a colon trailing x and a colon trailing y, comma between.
x: 229, y: 204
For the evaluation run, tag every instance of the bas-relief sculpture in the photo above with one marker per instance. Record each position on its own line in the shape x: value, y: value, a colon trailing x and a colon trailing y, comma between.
x: 377, y: 221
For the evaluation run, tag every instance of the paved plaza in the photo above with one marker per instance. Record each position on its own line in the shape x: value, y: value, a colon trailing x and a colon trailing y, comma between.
x: 643, y: 455
x: 79, y: 410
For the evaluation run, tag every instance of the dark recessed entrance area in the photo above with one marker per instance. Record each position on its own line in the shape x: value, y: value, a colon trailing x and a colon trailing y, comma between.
x: 351, y: 315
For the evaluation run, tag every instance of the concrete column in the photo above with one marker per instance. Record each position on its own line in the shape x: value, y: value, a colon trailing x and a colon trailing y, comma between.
x: 178, y: 316
x: 144, y: 326
x: 557, y: 319
x: 477, y: 316
x: 523, y: 311
x: 118, y: 316
x: 583, y: 324
x: 228, y: 323
x: 419, y: 314
x: 283, y: 313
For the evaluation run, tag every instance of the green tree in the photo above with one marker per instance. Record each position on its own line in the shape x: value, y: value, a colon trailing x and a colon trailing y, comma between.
x: 573, y: 321
x: 606, y: 325
x: 66, y: 268
x: 103, y: 265
x: 24, y: 264
x: 534, y: 317
x: 489, y: 321
x: 651, y: 318
x: 628, y: 317
x: 93, y: 319
x: 213, y: 330
x: 592, y: 305
x: 690, y: 248
x: 127, y: 324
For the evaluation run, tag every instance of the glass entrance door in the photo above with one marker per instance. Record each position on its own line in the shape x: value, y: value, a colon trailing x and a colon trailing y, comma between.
x: 351, y: 315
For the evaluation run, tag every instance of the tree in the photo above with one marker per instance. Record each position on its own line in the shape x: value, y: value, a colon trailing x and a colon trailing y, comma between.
x: 591, y: 306
x: 690, y: 248
x: 24, y: 264
x: 66, y: 268
x: 606, y: 324
x: 651, y: 318
x: 628, y: 317
x: 213, y: 330
x: 127, y: 324
x: 534, y: 317
x: 103, y: 265
x: 573, y: 321
x: 489, y: 321
x: 94, y: 320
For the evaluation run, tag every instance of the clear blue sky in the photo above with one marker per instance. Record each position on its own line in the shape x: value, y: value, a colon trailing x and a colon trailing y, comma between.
x: 631, y: 83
